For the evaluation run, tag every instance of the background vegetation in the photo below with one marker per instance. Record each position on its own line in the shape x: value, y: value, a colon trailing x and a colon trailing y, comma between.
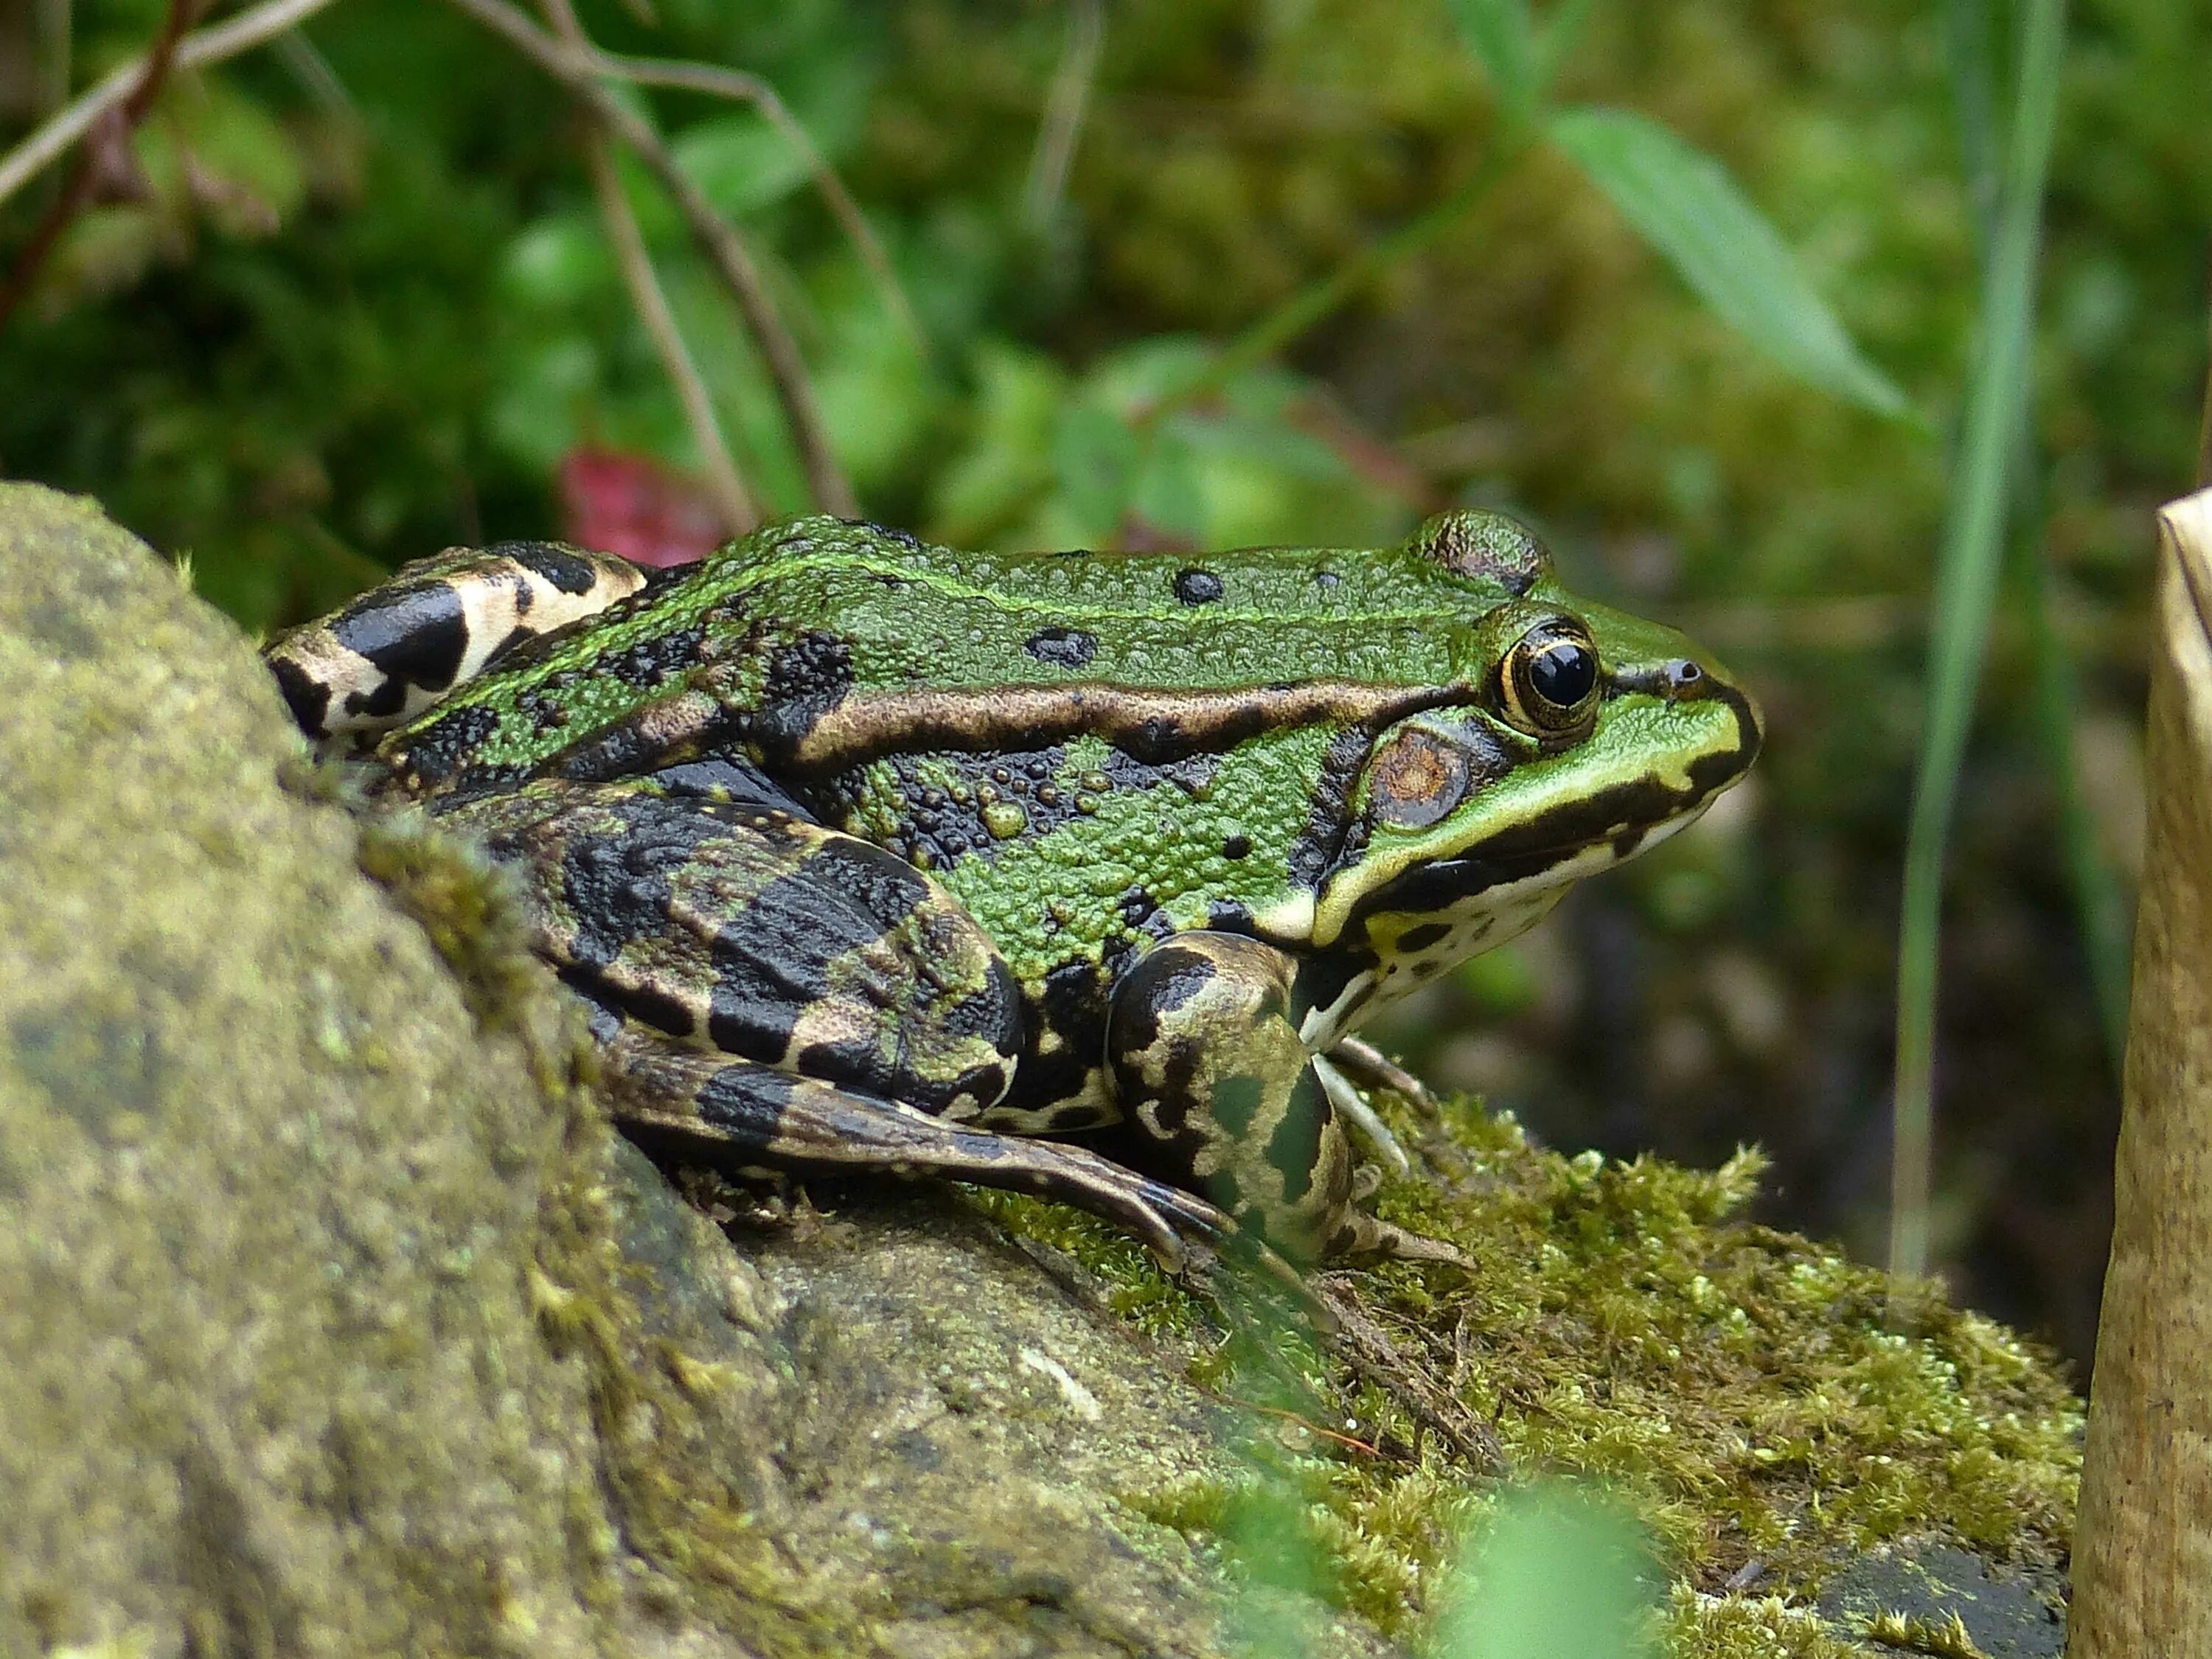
x: 349, y: 298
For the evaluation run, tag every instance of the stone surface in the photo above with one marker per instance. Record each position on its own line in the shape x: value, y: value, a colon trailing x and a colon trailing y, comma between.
x: 2007, y: 1616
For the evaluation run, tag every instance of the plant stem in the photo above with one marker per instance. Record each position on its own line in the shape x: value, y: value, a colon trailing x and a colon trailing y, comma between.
x: 716, y: 237
x: 731, y: 499
x: 203, y: 46
x: 724, y: 483
x: 1317, y: 301
x: 76, y: 190
x: 1063, y: 112
x: 1965, y: 585
x: 717, y: 81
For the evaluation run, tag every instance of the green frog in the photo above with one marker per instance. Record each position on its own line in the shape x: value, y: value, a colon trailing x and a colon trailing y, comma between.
x: 868, y: 853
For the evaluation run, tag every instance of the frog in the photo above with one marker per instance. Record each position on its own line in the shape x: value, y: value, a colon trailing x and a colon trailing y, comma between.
x: 869, y: 855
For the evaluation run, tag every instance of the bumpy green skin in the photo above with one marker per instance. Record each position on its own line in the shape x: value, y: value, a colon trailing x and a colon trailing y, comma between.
x: 1325, y: 774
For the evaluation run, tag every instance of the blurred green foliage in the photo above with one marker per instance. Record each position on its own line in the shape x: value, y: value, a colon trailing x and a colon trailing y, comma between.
x: 361, y: 307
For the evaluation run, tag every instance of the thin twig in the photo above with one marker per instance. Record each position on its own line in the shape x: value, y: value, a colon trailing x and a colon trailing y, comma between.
x: 724, y: 482
x: 732, y: 498
x: 716, y: 237
x: 716, y: 81
x: 77, y: 190
x: 1063, y: 112
x: 203, y: 46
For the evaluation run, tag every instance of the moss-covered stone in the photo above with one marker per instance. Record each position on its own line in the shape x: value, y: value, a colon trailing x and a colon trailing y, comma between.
x: 336, y: 1320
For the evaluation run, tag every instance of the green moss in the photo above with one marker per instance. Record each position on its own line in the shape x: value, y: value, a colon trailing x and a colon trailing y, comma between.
x: 1754, y: 1397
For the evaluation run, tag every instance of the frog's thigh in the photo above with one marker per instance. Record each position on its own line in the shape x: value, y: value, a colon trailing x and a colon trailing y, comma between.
x: 745, y: 930
x: 400, y: 646
x: 734, y: 1111
x: 1208, y: 1062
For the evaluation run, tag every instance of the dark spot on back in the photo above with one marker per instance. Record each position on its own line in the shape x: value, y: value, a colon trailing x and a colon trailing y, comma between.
x: 1237, y: 846
x: 1295, y: 1147
x: 1198, y: 587
x: 1420, y: 938
x: 442, y: 749
x: 806, y: 679
x: 1063, y: 648
x: 1235, y: 1103
x: 646, y: 663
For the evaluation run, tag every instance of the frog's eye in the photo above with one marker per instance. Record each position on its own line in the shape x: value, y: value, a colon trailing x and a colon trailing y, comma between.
x: 1549, y: 683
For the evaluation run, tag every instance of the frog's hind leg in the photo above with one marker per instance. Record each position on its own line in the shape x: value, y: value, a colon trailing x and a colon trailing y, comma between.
x: 730, y: 1111
x: 400, y: 646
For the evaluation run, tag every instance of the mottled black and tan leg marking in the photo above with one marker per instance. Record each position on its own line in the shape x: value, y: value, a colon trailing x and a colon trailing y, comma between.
x: 742, y: 929
x: 734, y: 1111
x: 438, y: 622
x: 1205, y: 1048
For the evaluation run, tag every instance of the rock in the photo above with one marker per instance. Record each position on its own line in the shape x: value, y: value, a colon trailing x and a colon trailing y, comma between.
x: 337, y: 1321
x: 2006, y: 1616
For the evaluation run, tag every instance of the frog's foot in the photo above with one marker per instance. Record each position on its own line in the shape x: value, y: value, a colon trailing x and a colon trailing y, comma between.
x: 727, y: 1110
x: 1361, y: 1236
x: 1371, y: 1068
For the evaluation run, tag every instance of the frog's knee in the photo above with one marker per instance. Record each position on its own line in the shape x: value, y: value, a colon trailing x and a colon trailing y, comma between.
x: 1211, y: 1069
x: 437, y: 624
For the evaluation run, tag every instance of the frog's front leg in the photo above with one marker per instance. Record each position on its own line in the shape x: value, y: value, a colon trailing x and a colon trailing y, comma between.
x: 1207, y: 1057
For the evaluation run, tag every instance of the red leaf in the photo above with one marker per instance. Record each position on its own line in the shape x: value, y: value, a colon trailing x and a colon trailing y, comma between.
x: 634, y: 507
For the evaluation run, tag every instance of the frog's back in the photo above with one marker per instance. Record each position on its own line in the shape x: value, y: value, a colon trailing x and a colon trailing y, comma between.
x: 912, y: 614
x: 756, y: 645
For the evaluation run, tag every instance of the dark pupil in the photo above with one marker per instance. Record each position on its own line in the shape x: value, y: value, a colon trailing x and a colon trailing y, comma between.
x: 1563, y: 673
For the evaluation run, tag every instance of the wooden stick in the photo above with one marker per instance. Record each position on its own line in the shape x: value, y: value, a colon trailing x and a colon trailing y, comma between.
x: 2142, y: 1547
x: 717, y: 239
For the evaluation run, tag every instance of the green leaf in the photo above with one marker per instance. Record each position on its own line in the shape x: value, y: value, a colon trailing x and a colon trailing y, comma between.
x: 1504, y: 40
x: 1558, y: 1572
x: 1686, y: 206
x: 741, y: 161
x: 1096, y: 458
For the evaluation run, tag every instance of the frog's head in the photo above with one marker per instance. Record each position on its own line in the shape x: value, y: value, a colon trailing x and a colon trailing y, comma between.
x: 1585, y: 736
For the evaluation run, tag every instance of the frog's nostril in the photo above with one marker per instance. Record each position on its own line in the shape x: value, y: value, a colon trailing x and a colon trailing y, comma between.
x: 1682, y: 674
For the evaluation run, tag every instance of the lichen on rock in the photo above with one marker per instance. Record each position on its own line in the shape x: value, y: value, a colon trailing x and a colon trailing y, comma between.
x: 338, y: 1321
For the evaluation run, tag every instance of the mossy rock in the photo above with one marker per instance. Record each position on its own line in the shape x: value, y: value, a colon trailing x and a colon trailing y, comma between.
x: 338, y: 1322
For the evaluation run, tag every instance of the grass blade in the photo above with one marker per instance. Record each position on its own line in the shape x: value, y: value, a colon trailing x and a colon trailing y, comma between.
x: 1502, y: 39
x: 1966, y: 587
x: 1687, y: 207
